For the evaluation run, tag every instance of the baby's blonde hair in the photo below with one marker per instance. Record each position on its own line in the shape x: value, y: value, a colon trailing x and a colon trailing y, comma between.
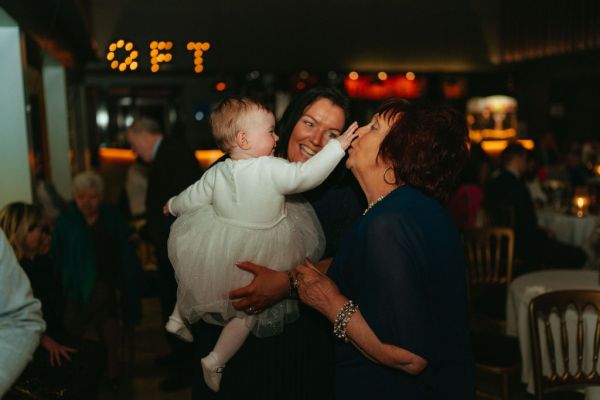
x: 226, y: 119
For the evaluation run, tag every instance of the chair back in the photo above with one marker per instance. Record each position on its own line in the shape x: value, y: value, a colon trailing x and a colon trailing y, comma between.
x: 557, y: 344
x: 502, y: 216
x: 489, y: 254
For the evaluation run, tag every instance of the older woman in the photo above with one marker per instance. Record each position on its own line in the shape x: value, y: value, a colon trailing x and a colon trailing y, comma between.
x: 91, y: 249
x: 396, y: 290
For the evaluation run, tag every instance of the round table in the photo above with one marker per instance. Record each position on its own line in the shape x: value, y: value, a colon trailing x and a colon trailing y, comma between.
x: 525, y: 288
x: 571, y: 229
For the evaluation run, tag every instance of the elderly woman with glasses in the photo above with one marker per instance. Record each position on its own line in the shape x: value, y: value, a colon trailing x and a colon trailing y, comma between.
x: 97, y: 265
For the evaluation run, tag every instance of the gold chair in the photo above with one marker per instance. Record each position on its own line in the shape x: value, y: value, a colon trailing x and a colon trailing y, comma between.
x: 496, y: 355
x: 498, y: 216
x: 504, y: 216
x: 489, y: 253
x: 541, y: 307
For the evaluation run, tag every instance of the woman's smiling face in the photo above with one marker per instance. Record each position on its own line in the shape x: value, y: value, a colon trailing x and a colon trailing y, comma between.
x: 321, y: 121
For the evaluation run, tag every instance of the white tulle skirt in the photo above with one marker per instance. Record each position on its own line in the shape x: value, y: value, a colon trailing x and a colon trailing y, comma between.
x: 204, y: 248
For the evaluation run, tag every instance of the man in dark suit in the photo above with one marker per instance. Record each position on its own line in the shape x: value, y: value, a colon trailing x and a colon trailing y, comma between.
x: 507, y: 190
x: 173, y: 168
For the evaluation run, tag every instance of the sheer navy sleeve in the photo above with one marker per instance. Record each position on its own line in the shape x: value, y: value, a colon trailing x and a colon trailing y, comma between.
x: 392, y: 297
x: 403, y: 265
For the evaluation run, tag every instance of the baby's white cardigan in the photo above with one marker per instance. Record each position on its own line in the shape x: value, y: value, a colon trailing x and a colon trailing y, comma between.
x: 251, y: 192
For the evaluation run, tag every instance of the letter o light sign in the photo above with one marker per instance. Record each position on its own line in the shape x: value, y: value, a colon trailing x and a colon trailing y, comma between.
x: 122, y: 55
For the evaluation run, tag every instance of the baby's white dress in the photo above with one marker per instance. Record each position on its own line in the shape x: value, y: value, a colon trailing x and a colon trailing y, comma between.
x: 239, y: 211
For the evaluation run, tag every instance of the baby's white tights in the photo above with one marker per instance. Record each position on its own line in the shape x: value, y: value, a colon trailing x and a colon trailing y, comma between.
x: 232, y: 338
x: 178, y: 327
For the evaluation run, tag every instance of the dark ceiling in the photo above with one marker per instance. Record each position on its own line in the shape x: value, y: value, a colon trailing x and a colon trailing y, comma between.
x: 273, y: 35
x: 290, y: 35
x: 314, y: 35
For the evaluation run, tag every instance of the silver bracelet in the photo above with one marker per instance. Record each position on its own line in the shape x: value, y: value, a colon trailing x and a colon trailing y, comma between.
x: 342, y: 318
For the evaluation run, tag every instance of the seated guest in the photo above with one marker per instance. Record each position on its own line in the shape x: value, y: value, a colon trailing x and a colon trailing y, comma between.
x: 21, y: 322
x: 59, y: 363
x: 96, y: 263
x: 532, y: 244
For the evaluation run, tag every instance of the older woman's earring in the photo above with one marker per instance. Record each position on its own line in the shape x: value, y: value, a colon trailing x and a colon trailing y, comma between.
x: 385, y: 179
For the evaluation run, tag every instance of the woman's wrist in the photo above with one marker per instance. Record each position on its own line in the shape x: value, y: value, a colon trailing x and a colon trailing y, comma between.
x: 342, y: 319
x: 283, y: 286
x: 335, y: 305
x: 46, y: 341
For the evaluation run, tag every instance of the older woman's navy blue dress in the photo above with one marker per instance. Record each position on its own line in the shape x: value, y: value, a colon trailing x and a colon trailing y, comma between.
x: 403, y: 265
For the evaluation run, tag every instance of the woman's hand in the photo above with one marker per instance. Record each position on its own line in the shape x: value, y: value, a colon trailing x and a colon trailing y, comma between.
x: 347, y: 137
x: 324, y: 265
x: 56, y: 350
x: 267, y: 288
x: 318, y: 291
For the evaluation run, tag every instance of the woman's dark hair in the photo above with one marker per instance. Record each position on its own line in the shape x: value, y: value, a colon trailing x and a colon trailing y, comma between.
x: 426, y: 144
x: 296, y: 108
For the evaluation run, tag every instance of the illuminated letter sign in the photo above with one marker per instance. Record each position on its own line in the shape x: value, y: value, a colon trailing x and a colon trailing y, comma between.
x: 198, y: 48
x: 122, y: 55
x: 130, y: 56
x: 156, y: 57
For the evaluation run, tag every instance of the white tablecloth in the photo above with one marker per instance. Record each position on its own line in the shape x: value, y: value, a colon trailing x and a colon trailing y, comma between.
x: 526, y: 287
x: 569, y: 228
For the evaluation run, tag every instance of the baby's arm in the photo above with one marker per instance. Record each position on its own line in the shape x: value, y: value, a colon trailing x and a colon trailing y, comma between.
x: 299, y: 177
x: 196, y: 195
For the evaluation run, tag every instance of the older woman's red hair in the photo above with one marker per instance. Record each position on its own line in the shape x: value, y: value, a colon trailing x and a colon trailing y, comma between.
x: 427, y: 145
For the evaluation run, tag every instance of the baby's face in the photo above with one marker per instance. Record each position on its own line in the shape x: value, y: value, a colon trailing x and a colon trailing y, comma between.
x: 259, y: 126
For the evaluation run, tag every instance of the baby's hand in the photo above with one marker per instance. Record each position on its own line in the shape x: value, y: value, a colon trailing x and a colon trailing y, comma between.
x: 347, y: 137
x: 166, y: 211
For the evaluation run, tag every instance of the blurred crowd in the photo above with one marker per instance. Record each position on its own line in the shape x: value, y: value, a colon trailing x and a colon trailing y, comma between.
x: 510, y: 189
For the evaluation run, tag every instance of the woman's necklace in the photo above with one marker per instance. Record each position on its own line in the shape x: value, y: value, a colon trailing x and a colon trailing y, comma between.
x: 371, y: 204
x: 377, y: 200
